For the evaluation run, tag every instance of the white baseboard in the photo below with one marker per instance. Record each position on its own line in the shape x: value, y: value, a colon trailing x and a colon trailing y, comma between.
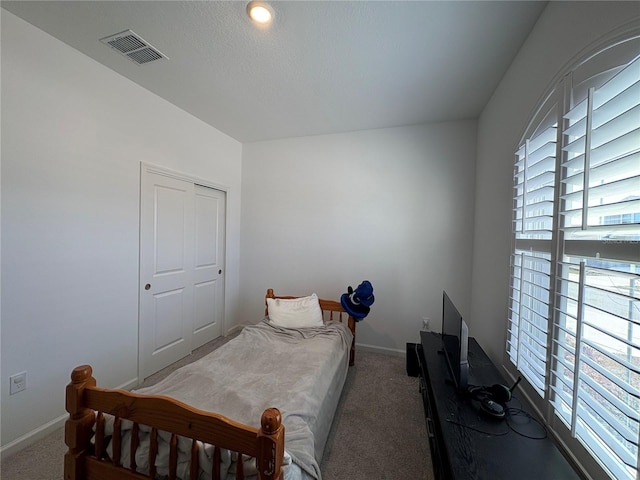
x: 32, y: 437
x: 233, y: 330
x: 42, y: 431
x: 375, y: 349
x: 130, y: 385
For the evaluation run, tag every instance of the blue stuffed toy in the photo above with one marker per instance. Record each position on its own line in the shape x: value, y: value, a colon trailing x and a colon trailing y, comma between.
x: 357, y: 302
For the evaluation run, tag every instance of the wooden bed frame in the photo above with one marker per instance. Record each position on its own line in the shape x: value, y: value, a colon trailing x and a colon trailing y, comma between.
x: 332, y: 311
x: 87, y: 404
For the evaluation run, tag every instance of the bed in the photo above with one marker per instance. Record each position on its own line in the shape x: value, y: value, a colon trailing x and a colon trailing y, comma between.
x: 258, y: 407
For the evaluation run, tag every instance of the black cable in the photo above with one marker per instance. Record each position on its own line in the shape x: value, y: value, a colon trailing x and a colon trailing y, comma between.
x: 515, y: 412
x: 511, y: 412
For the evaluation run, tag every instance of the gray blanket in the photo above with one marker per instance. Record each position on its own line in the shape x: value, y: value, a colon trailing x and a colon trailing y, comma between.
x: 301, y: 372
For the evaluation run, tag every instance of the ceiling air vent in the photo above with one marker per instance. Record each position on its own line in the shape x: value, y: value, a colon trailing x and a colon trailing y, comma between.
x: 131, y: 45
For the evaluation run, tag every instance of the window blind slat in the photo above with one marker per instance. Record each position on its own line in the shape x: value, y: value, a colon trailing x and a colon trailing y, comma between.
x: 574, y: 163
x: 624, y: 123
x: 615, y: 191
x: 577, y: 129
x: 602, y: 450
x: 598, y: 348
x: 610, y: 398
x: 544, y: 138
x: 559, y: 390
x: 544, y: 193
x: 541, y: 176
x: 621, y: 451
x: 618, y: 147
x: 604, y: 232
x: 621, y: 82
x: 578, y: 112
x: 616, y: 105
x: 533, y: 346
x: 597, y: 213
x: 542, y: 154
x: 616, y: 169
x: 576, y: 146
x: 564, y: 363
x: 624, y: 386
x: 574, y: 197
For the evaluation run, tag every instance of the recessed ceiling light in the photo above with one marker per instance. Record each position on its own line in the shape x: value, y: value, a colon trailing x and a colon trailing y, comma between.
x: 260, y: 12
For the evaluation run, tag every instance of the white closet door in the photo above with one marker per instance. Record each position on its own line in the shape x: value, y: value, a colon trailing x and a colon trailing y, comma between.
x: 166, y: 270
x: 208, y: 274
x: 182, y: 251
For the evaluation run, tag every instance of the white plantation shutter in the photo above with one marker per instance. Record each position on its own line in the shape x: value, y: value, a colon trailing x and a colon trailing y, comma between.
x: 534, y: 190
x: 535, y: 185
x: 603, y: 158
x: 574, y: 317
x: 597, y: 323
x: 527, y: 340
x: 596, y: 381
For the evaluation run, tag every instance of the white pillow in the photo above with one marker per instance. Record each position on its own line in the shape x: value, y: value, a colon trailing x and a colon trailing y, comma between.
x: 295, y: 312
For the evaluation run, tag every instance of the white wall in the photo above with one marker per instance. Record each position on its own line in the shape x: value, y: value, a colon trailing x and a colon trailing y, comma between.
x: 395, y: 206
x: 392, y: 206
x: 73, y: 136
x: 563, y: 31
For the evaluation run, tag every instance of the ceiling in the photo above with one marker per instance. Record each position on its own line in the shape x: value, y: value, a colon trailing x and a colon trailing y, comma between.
x: 320, y: 67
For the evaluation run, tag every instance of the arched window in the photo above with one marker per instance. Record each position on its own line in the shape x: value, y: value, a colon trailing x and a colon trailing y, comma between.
x: 574, y: 316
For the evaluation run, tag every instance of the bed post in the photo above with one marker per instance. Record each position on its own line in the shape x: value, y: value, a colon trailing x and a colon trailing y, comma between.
x: 270, y: 445
x: 78, y: 427
x: 270, y: 294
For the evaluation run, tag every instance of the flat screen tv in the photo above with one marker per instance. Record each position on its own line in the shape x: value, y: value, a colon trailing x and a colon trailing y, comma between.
x: 455, y: 342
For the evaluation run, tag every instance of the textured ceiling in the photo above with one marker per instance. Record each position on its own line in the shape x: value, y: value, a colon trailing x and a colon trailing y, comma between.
x: 321, y: 67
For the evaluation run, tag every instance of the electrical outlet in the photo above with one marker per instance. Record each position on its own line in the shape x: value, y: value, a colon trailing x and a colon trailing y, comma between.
x: 425, y: 323
x: 17, y: 383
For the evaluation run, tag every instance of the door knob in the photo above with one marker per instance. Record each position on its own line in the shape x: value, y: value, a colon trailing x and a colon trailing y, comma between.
x: 147, y: 286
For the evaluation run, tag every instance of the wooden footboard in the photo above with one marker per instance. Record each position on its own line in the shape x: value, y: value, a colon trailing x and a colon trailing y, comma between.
x: 332, y: 311
x: 87, y: 459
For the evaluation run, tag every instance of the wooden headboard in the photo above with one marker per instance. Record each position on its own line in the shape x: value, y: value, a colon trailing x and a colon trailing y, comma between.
x: 331, y: 311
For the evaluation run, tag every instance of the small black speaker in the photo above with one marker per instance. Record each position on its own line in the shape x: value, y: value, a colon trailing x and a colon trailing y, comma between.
x: 413, y: 366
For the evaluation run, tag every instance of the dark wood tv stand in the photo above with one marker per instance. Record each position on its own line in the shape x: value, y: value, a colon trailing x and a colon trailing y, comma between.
x: 468, y: 444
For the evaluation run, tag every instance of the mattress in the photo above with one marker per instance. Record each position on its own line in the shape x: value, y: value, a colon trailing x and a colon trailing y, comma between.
x: 299, y: 371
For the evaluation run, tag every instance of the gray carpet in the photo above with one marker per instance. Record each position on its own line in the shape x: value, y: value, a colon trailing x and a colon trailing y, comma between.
x: 379, y: 429
x: 378, y: 433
